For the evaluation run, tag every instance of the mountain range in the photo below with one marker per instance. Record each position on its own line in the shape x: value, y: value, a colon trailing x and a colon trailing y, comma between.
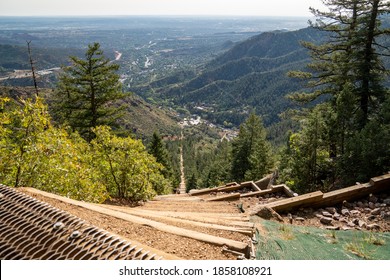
x: 250, y: 76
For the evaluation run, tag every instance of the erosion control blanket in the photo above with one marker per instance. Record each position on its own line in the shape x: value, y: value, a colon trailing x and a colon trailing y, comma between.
x: 278, y: 241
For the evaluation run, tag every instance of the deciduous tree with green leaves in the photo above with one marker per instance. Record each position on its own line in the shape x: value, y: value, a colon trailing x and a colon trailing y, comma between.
x: 126, y: 168
x: 34, y: 153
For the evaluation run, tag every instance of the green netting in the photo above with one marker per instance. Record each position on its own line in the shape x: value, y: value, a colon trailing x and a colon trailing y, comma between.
x: 278, y: 241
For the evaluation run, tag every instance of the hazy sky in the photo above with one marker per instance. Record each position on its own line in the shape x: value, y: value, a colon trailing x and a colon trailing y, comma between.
x: 157, y: 7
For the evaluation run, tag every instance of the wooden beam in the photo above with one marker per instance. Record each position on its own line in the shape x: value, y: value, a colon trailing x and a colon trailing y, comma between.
x: 258, y: 193
x: 203, y: 191
x: 220, y: 241
x: 263, y: 183
x: 250, y: 184
x: 381, y: 183
x: 295, y: 202
x: 230, y: 188
x: 234, y: 196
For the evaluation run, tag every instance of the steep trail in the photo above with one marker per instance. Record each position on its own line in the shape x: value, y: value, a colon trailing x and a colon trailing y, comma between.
x: 182, y: 186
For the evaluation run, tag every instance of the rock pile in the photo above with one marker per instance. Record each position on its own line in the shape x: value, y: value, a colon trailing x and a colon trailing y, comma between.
x: 371, y: 213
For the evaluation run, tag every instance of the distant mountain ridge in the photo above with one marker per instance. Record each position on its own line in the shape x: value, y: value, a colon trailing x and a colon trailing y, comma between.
x: 249, y: 76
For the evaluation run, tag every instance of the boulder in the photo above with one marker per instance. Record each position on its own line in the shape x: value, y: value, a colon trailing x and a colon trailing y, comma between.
x: 266, y: 213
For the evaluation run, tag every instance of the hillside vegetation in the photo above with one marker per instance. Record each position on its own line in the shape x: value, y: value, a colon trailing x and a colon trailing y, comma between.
x: 252, y: 74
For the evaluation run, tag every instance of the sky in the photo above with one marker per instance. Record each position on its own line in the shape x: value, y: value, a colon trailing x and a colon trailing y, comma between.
x: 157, y: 7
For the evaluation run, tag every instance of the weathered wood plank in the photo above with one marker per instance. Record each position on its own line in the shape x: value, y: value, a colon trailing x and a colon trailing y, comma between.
x: 263, y: 183
x: 233, y: 196
x: 258, y: 193
x: 204, y: 191
x: 230, y: 188
x: 250, y: 184
x: 381, y: 183
x: 295, y: 202
x: 338, y: 196
x: 220, y: 241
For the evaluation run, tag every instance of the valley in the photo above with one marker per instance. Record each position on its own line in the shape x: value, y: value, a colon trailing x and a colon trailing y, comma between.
x: 196, y: 137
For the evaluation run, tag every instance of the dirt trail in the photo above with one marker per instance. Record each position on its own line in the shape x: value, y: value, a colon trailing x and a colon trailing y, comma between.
x: 182, y: 186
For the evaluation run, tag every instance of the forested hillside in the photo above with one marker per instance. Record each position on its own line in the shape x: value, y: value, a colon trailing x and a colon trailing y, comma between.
x: 250, y: 75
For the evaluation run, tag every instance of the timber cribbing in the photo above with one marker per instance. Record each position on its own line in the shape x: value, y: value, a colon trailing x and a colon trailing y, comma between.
x: 31, y: 229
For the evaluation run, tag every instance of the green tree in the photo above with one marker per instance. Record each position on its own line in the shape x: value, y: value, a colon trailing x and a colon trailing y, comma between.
x: 192, y: 183
x: 158, y: 149
x: 220, y: 167
x: 21, y: 122
x: 34, y: 153
x: 251, y: 157
x: 347, y: 69
x: 306, y: 162
x: 126, y: 168
x: 87, y: 93
x: 347, y: 66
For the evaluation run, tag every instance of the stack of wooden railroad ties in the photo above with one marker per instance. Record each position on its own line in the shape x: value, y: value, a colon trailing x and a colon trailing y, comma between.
x: 317, y: 199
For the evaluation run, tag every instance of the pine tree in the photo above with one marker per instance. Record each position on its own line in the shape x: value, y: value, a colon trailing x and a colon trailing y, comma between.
x: 159, y: 151
x: 347, y: 69
x: 87, y: 92
x: 192, y: 183
x: 350, y: 55
x: 251, y: 157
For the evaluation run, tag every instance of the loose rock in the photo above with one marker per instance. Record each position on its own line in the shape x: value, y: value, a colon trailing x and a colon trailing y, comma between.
x: 347, y: 204
x: 387, y: 201
x: 373, y: 199
x: 336, y: 216
x: 376, y: 211
x: 355, y: 212
x: 326, y: 220
x: 351, y: 224
x: 373, y: 227
x: 345, y: 212
x: 331, y: 210
x: 266, y: 213
x: 332, y: 228
x: 371, y: 217
x: 346, y: 228
x: 326, y: 214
